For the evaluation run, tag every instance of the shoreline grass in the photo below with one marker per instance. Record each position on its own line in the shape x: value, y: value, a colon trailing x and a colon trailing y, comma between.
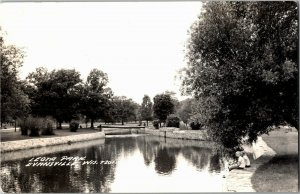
x: 11, y: 135
x: 14, y: 136
x: 280, y: 174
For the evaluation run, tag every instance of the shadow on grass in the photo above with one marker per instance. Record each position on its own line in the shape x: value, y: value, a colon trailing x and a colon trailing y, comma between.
x: 280, y: 174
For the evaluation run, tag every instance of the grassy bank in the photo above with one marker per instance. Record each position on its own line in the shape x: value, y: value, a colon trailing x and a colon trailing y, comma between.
x: 280, y: 174
x: 171, y: 132
x: 11, y: 135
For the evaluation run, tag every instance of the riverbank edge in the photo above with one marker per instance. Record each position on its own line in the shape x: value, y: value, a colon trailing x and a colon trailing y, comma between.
x: 10, y: 146
x: 176, y: 134
x: 240, y: 180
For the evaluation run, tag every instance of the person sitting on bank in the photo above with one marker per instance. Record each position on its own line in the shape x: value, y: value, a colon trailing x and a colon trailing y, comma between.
x: 240, y: 162
x: 247, y: 160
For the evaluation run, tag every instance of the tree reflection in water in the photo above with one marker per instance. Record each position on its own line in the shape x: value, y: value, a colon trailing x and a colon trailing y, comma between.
x: 164, y: 161
x: 164, y: 153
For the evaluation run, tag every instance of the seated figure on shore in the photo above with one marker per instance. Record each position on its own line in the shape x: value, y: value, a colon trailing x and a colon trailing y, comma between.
x: 240, y: 162
x: 247, y: 160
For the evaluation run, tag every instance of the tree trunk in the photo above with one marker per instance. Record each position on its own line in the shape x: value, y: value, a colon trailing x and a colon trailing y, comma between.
x: 92, y: 123
x: 147, y: 123
x: 15, y: 125
x: 122, y: 122
x: 59, y: 125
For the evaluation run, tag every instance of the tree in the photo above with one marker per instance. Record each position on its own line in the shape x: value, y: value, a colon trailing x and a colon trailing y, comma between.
x: 37, y: 87
x: 56, y: 93
x: 185, y: 109
x: 64, y: 94
x: 146, y: 109
x: 163, y: 106
x: 173, y: 97
x: 243, y: 68
x: 95, y: 99
x: 40, y: 75
x: 14, y: 102
x: 111, y: 114
x: 137, y: 113
x: 125, y: 109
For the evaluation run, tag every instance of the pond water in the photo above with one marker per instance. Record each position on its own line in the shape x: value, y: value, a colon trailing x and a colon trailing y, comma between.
x: 140, y: 163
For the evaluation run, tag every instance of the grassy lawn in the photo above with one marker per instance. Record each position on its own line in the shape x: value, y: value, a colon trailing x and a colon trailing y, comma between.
x: 12, y: 136
x: 280, y: 174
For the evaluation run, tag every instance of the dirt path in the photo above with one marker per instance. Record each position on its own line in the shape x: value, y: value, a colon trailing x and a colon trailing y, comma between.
x: 240, y: 180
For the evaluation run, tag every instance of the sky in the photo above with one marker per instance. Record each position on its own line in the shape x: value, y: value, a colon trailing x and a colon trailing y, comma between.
x: 140, y: 45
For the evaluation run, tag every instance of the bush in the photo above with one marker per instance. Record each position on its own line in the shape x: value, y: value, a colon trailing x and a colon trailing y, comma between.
x: 156, y: 124
x: 74, y: 126
x: 195, y: 125
x: 48, y: 126
x: 183, y: 126
x: 23, y: 126
x: 173, y: 121
x: 31, y: 124
x: 140, y: 123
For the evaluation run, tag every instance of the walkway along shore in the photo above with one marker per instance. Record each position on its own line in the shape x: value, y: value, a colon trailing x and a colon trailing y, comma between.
x: 240, y: 180
x: 10, y: 146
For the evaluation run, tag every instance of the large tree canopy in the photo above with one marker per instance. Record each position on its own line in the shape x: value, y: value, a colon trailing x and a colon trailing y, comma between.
x: 163, y: 106
x: 95, y: 102
x: 55, y: 93
x: 124, y: 109
x: 243, y: 68
x: 14, y: 102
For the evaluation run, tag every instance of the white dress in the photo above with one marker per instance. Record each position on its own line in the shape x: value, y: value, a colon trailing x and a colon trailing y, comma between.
x: 241, y: 161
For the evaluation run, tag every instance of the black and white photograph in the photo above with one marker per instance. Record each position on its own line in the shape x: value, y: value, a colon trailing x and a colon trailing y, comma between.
x: 149, y: 96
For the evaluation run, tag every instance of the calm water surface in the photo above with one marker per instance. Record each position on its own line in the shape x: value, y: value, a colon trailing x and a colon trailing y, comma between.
x: 142, y: 163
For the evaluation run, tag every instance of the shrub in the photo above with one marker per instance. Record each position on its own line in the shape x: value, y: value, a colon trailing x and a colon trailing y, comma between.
x: 195, y: 125
x: 183, y: 126
x: 48, y: 126
x: 31, y: 124
x: 74, y: 126
x: 140, y: 123
x: 156, y: 124
x: 23, y: 126
x: 36, y: 124
x: 173, y: 121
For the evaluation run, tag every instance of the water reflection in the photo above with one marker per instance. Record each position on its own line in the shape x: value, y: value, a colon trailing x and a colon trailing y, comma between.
x: 142, y: 164
x: 165, y: 162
